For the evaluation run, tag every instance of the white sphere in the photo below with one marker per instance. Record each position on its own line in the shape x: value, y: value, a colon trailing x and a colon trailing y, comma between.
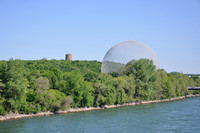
x: 122, y: 53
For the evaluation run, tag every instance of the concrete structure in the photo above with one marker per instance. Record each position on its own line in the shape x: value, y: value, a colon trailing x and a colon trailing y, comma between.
x: 122, y: 53
x: 193, y: 88
x: 190, y: 75
x: 68, y: 57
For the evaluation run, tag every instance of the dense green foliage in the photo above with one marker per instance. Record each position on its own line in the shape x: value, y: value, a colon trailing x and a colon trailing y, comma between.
x: 52, y: 85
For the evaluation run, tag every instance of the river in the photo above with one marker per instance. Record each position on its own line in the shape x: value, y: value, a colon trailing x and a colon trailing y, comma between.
x: 180, y: 116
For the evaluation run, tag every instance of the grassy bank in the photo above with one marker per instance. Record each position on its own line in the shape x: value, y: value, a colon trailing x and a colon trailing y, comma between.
x: 72, y: 110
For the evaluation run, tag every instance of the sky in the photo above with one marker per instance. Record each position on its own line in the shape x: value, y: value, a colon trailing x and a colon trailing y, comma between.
x: 87, y: 29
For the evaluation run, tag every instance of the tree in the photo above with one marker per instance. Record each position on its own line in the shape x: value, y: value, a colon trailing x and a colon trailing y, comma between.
x: 57, y: 100
x: 79, y: 89
x: 88, y: 95
x: 160, y: 86
x: 120, y: 84
x: 53, y: 85
x: 42, y: 92
x: 143, y: 72
x: 105, y: 93
x: 90, y: 76
x: 42, y: 84
x: 196, y: 80
x: 99, y: 94
x: 12, y: 75
x: 125, y: 87
x: 2, y: 109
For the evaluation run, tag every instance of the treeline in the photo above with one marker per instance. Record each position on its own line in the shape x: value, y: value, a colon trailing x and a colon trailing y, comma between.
x: 52, y: 85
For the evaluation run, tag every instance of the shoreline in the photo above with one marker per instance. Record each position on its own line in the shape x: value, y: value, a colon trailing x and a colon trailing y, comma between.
x: 72, y: 110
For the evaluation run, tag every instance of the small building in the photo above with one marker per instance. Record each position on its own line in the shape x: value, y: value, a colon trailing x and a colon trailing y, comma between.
x: 68, y: 57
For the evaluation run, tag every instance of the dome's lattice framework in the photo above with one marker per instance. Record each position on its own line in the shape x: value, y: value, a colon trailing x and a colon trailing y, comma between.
x: 122, y: 53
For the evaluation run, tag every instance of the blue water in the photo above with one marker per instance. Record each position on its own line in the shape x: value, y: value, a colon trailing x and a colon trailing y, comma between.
x: 180, y: 116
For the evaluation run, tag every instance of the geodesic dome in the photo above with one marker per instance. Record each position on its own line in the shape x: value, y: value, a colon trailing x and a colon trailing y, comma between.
x: 122, y: 53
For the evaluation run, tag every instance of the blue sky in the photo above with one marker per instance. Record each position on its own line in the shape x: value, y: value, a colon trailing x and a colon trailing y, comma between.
x: 36, y: 29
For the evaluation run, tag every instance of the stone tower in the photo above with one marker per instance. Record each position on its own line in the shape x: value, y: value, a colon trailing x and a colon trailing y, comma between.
x: 68, y: 57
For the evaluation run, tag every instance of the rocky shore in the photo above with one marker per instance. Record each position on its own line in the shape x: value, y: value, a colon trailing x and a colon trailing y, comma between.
x: 71, y: 110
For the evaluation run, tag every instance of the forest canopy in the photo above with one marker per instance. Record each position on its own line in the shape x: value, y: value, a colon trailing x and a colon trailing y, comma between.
x: 28, y: 87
